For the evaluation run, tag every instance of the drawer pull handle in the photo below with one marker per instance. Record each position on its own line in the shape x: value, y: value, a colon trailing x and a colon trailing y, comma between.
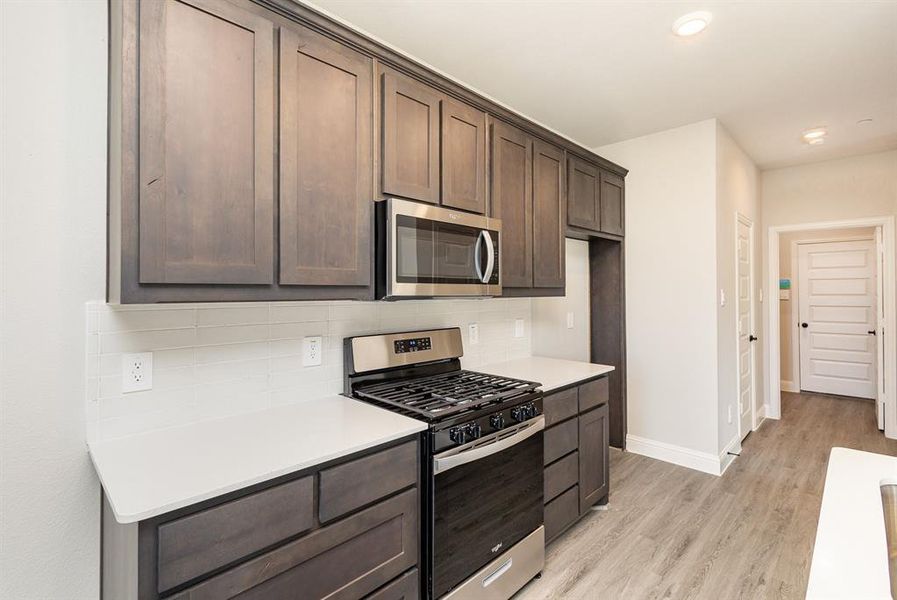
x: 498, y: 573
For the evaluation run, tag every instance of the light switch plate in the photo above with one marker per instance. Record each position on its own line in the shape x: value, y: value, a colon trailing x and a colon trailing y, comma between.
x: 312, y: 351
x: 569, y: 320
x: 136, y: 372
x: 473, y: 334
x: 518, y: 328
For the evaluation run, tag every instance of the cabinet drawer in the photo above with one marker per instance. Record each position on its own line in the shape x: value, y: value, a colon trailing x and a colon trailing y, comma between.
x: 561, y: 512
x: 559, y: 406
x: 348, y: 559
x: 593, y: 393
x: 355, y: 484
x: 561, y: 475
x: 560, y: 440
x: 202, y: 542
x: 404, y: 588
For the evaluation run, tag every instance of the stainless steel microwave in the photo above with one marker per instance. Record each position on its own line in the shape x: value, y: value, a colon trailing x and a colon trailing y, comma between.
x: 425, y: 251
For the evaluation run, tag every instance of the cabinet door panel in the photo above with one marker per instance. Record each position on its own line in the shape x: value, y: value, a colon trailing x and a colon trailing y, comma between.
x: 593, y: 457
x: 410, y: 128
x: 206, y: 197
x: 583, y: 206
x: 549, y: 209
x: 325, y: 162
x: 463, y: 157
x: 611, y: 203
x: 512, y: 202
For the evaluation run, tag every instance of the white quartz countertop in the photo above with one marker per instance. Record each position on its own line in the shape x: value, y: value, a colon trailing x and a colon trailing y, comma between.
x: 552, y: 373
x: 850, y: 558
x: 153, y: 473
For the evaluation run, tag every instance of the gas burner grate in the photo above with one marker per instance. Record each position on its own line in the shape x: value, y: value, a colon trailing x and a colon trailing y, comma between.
x: 438, y: 396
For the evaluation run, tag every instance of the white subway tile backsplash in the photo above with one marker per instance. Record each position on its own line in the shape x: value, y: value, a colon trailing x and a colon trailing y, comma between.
x: 215, y: 360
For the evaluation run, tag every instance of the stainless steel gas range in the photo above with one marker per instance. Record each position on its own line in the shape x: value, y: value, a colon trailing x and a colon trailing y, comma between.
x: 483, y: 534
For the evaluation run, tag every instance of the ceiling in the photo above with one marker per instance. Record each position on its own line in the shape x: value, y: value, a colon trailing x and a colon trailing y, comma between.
x: 602, y: 72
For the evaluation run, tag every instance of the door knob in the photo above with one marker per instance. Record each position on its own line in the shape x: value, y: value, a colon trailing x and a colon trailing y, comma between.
x: 752, y: 338
x: 872, y: 332
x: 804, y: 325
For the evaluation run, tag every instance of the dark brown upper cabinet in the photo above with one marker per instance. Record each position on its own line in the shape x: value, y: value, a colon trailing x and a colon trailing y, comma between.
x: 410, y: 129
x: 528, y: 195
x: 512, y: 202
x: 326, y: 176
x: 206, y: 144
x: 583, y: 199
x: 611, y: 203
x: 463, y: 157
x: 549, y: 210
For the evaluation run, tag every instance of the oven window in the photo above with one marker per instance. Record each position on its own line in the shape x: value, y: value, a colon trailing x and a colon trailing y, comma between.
x: 484, y: 507
x: 436, y: 252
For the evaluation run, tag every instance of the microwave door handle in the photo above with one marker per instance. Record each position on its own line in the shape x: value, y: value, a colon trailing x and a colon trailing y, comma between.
x: 490, y: 259
x: 441, y: 465
x: 476, y: 256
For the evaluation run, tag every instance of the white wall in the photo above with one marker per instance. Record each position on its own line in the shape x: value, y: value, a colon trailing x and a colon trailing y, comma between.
x: 52, y: 257
x: 671, y: 316
x: 550, y: 334
x: 736, y: 192
x: 214, y: 360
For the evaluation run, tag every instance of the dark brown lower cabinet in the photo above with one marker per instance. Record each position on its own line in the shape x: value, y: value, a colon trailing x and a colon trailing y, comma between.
x: 349, y: 529
x: 576, y: 453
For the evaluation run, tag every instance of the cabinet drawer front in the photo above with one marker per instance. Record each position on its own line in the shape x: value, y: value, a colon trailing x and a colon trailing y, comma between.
x: 405, y: 587
x: 199, y: 543
x: 348, y: 559
x: 559, y: 406
x: 560, y: 440
x: 561, y: 512
x: 593, y: 393
x: 355, y: 484
x: 561, y: 475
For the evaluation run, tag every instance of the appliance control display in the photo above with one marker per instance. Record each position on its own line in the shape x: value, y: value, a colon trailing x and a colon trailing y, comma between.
x: 412, y: 345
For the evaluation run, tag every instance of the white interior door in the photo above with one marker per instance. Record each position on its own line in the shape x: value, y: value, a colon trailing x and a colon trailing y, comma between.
x: 879, y: 328
x: 838, y: 317
x: 745, y: 309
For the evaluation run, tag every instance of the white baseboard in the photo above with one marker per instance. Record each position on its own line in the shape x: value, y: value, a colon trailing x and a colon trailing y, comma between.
x: 678, y: 455
x: 726, y: 459
x: 789, y: 386
x: 761, y: 416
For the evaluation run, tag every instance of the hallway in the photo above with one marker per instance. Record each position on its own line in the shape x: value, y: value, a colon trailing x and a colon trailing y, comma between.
x: 671, y: 532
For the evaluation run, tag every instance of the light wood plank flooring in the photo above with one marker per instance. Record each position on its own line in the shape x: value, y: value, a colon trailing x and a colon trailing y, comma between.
x: 671, y: 532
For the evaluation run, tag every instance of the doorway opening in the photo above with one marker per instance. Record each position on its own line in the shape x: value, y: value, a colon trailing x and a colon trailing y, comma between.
x: 830, y: 297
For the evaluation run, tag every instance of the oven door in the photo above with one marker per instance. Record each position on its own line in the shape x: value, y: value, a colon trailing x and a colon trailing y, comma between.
x: 434, y: 251
x: 487, y: 498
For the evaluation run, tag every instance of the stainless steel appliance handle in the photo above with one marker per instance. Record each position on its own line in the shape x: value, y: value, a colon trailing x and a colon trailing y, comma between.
x: 476, y: 257
x: 441, y: 465
x: 490, y: 260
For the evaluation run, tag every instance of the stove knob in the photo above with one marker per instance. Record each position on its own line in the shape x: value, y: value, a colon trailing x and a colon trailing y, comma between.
x: 473, y: 431
x: 456, y: 435
x: 497, y: 421
x: 531, y: 410
x: 518, y: 413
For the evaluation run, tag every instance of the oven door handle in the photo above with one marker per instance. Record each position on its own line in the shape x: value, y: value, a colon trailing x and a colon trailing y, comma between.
x: 441, y: 465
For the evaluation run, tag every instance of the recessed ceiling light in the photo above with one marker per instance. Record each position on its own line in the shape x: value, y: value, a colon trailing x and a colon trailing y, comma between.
x: 815, y: 135
x: 864, y: 121
x: 692, y: 23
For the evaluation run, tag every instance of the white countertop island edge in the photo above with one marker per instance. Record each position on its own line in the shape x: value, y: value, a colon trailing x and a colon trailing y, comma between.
x: 150, y: 474
x: 850, y: 556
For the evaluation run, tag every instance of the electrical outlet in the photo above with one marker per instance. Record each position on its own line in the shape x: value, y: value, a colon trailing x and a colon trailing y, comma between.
x: 518, y: 328
x: 730, y: 414
x: 311, y: 351
x: 136, y: 372
x: 569, y: 320
x: 473, y: 334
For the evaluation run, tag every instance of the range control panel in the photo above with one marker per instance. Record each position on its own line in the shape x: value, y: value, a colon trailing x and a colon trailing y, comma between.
x: 412, y: 345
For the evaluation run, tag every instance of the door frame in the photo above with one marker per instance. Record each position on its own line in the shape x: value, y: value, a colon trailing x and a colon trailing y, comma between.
x: 741, y: 219
x: 772, y: 401
x: 795, y: 309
